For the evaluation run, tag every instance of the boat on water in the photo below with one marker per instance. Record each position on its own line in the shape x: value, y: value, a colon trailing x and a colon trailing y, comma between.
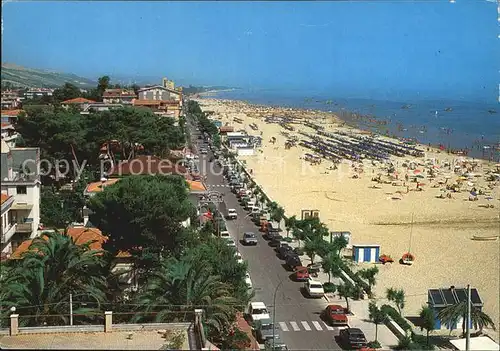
x: 405, y: 107
x: 448, y: 109
x: 485, y: 238
x: 492, y: 111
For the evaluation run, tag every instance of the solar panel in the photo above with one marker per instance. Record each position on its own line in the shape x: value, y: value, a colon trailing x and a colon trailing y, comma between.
x: 461, y: 294
x: 448, y: 297
x: 474, y: 297
x: 436, y: 298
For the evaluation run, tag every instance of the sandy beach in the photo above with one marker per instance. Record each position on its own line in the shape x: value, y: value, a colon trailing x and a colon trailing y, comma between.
x: 380, y: 212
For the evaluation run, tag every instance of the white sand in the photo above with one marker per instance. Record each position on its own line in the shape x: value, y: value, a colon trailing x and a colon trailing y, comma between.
x: 445, y: 254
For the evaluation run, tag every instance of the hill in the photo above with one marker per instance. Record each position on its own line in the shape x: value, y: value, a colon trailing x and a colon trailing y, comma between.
x: 29, y: 77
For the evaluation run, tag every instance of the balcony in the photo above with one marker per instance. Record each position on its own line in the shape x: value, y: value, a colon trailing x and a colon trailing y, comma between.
x: 8, y: 233
x: 24, y: 227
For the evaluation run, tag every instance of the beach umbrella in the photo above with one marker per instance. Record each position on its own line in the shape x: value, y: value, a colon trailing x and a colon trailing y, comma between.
x: 417, y: 171
x: 473, y: 193
x: 420, y: 184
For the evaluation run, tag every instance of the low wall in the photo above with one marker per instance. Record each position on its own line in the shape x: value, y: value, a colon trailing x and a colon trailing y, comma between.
x: 395, y: 328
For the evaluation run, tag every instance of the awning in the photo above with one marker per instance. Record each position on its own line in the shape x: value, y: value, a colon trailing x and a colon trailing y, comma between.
x: 21, y: 206
x: 477, y: 343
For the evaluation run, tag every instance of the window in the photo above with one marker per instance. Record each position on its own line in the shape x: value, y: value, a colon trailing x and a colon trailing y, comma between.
x: 21, y: 189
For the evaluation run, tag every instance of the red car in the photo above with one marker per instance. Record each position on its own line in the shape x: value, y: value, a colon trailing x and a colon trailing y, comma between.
x: 385, y: 259
x: 335, y: 315
x: 301, y: 273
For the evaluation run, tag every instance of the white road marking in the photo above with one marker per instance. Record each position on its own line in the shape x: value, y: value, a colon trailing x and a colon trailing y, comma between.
x: 295, y: 326
x: 305, y: 325
x: 283, y: 326
x: 317, y: 325
x: 328, y: 327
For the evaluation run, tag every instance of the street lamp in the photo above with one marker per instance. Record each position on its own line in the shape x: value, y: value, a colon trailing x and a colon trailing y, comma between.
x: 274, y: 310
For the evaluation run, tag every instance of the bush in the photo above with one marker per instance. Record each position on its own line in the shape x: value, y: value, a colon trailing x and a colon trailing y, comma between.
x: 419, y: 339
x: 329, y: 287
x: 299, y: 251
x: 288, y: 239
x: 396, y: 317
x: 374, y: 344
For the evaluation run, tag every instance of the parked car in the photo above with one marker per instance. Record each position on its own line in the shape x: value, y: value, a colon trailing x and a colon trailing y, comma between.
x: 249, y: 238
x: 239, y: 259
x: 273, y: 227
x: 335, y: 315
x: 257, y: 311
x: 248, y: 280
x: 230, y: 242
x: 265, y: 330
x: 276, y: 241
x: 293, y: 261
x: 283, y: 250
x: 353, y: 338
x: 225, y: 234
x: 232, y: 214
x: 203, y: 151
x: 314, y: 288
x: 249, y: 205
x: 277, y: 345
x: 301, y: 273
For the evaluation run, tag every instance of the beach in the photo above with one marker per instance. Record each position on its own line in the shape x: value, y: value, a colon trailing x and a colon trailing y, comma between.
x: 380, y: 212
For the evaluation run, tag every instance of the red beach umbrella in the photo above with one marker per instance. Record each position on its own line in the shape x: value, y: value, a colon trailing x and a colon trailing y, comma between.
x: 417, y: 171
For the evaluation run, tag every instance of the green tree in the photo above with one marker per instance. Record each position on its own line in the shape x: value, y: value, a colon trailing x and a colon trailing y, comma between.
x: 331, y: 265
x: 66, y: 92
x: 40, y: 283
x: 311, y: 248
x: 451, y: 314
x: 348, y: 291
x: 427, y: 320
x: 369, y: 275
x: 290, y: 224
x: 376, y: 315
x: 143, y: 211
x: 277, y: 215
x: 397, y: 296
x: 102, y: 85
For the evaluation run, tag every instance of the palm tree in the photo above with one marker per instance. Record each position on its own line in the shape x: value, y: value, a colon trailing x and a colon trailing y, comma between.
x: 348, y: 291
x: 427, y: 320
x: 339, y: 243
x: 290, y: 224
x: 41, y: 282
x: 376, y: 315
x: 397, y: 296
x: 331, y: 265
x: 311, y: 248
x: 369, y: 274
x: 277, y: 215
x: 182, y: 286
x: 451, y: 314
x: 262, y: 200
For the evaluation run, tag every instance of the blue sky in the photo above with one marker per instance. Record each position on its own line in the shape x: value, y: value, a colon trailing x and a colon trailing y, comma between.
x: 369, y: 49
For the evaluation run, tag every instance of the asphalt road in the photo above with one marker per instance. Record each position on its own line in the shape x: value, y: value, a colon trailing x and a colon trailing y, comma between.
x: 297, y: 317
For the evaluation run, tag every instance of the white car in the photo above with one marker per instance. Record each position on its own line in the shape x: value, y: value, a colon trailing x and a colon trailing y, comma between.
x: 230, y: 243
x: 238, y: 257
x: 248, y: 281
x: 232, y: 214
x: 314, y: 288
x: 258, y: 311
x: 225, y: 235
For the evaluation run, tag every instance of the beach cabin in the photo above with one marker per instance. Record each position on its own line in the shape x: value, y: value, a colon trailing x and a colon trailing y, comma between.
x: 438, y: 299
x: 366, y: 253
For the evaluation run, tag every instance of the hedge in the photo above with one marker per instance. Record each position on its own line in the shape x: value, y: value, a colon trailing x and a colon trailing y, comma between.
x: 396, y: 317
x: 356, y: 278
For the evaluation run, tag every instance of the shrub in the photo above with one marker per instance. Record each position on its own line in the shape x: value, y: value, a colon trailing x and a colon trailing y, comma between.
x: 288, y: 239
x: 329, y: 287
x: 299, y: 251
x: 396, y: 317
x: 374, y: 345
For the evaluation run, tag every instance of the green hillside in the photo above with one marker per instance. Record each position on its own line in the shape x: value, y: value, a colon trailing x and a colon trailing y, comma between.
x: 28, y: 77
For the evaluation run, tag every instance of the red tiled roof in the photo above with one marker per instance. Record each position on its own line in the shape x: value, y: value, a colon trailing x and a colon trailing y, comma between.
x: 144, y: 165
x: 118, y: 93
x: 225, y: 129
x: 96, y: 187
x: 12, y: 113
x: 78, y: 100
x: 5, y: 197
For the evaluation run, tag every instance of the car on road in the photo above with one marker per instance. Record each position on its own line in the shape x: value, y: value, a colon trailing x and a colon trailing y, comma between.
x: 301, y: 274
x: 292, y: 262
x: 265, y: 330
x: 277, y: 345
x: 353, y: 338
x: 249, y: 238
x: 276, y: 241
x: 257, y: 311
x: 225, y: 234
x: 314, y: 288
x: 283, y: 250
x: 232, y: 214
x: 230, y: 242
x: 248, y: 280
x: 272, y: 227
x: 335, y: 315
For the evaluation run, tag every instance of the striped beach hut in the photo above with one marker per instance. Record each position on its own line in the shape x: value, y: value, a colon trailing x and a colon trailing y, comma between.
x: 366, y: 253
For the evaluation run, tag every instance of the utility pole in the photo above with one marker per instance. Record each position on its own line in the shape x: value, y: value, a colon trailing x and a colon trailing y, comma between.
x: 467, y: 326
x: 70, y: 309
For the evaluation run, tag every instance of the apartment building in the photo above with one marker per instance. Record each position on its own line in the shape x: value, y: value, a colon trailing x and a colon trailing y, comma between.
x: 38, y: 92
x: 10, y: 99
x: 118, y: 96
x: 20, y: 188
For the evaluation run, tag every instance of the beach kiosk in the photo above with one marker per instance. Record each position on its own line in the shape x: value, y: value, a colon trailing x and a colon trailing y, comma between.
x: 438, y: 299
x: 366, y: 253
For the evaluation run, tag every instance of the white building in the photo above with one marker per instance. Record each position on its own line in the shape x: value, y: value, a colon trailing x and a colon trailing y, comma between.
x: 20, y: 195
x: 9, y: 134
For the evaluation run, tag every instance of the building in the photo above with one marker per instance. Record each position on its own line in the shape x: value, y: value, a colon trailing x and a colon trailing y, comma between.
x: 438, y: 299
x: 96, y: 187
x: 38, y: 92
x: 168, y: 83
x: 20, y: 180
x: 10, y: 99
x: 100, y: 107
x: 366, y: 253
x: 118, y: 96
x: 9, y: 134
x: 163, y: 108
x: 78, y: 102
x: 10, y: 116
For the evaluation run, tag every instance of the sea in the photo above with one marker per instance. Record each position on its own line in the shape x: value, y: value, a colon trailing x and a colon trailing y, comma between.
x: 457, y: 125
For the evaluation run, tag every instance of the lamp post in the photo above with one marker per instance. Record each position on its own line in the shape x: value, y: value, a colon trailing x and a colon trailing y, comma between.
x: 274, y: 310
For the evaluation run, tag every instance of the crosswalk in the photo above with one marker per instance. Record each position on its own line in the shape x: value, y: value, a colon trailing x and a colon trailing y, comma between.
x: 219, y: 186
x: 307, y: 326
